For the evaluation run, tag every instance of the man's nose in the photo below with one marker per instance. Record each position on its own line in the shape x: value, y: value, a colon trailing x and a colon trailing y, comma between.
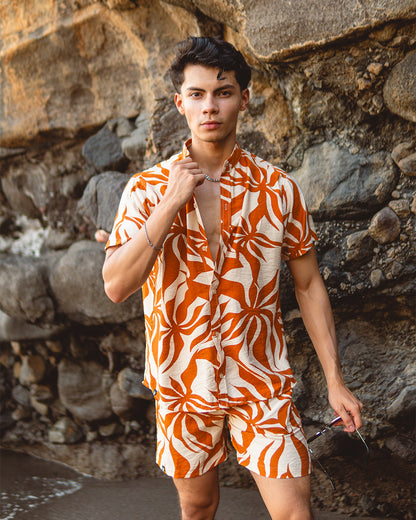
x: 210, y: 105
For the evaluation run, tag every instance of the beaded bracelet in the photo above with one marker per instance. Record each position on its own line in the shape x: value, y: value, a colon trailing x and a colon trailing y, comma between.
x: 148, y: 240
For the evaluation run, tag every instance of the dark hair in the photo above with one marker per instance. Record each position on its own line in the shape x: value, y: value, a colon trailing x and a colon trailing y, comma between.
x: 210, y: 52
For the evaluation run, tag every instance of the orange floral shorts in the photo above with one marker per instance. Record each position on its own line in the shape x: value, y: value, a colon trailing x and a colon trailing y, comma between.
x: 267, y: 436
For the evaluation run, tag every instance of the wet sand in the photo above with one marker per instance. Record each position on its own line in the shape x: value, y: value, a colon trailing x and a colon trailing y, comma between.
x: 34, y: 489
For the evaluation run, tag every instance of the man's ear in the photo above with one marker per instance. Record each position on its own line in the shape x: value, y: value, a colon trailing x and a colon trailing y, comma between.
x: 179, y: 103
x: 245, y: 97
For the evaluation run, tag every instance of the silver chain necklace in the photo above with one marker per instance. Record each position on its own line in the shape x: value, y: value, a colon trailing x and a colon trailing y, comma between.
x: 211, y: 179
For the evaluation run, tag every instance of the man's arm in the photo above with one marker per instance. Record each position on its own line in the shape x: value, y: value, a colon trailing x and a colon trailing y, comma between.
x: 127, y: 267
x: 317, y: 316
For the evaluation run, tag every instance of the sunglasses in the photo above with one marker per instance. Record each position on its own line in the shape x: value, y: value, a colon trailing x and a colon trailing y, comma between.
x: 327, y: 427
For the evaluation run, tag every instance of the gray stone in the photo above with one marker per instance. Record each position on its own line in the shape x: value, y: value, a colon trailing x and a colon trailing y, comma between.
x: 121, y: 403
x: 81, y: 391
x: 24, y: 293
x: 16, y: 329
x: 403, y: 408
x: 21, y: 395
x: 121, y: 126
x: 337, y: 184
x: 81, y: 298
x: 58, y: 239
x: 134, y: 147
x: 359, y: 248
x: 376, y: 278
x: 402, y: 447
x: 400, y: 88
x: 130, y: 382
x: 99, y: 202
x: 384, y: 226
x: 65, y: 431
x: 103, y: 150
x: 32, y: 370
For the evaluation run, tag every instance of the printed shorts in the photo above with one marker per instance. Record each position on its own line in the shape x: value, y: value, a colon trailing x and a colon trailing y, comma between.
x: 267, y: 436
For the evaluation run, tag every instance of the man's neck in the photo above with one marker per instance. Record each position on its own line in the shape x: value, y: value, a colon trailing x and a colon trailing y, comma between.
x: 211, y: 156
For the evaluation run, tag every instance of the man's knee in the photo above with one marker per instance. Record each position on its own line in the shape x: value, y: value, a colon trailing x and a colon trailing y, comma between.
x: 199, y: 507
x: 199, y: 496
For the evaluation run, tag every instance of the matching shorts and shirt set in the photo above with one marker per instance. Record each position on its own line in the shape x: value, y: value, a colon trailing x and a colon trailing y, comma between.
x: 216, y: 355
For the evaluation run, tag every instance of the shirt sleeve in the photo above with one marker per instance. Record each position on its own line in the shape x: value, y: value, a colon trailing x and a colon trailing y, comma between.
x: 299, y: 233
x: 133, y: 211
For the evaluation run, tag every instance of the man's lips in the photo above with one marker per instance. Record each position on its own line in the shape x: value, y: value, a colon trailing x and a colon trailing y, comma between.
x: 211, y: 124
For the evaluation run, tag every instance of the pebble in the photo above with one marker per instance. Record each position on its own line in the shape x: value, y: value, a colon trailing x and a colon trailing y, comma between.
x: 21, y: 413
x: 16, y: 347
x: 408, y: 165
x: 376, y: 277
x: 384, y: 226
x: 400, y: 151
x: 65, y: 431
x: 375, y: 68
x: 41, y: 393
x: 108, y: 430
x: 33, y: 369
x: 21, y: 395
x: 54, y: 346
x: 41, y: 408
x: 401, y: 207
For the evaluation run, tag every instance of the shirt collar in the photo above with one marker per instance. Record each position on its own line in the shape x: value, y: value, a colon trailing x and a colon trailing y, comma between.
x: 232, y: 159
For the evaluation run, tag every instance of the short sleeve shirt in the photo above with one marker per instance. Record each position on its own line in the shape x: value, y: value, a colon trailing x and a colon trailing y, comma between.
x: 214, y: 329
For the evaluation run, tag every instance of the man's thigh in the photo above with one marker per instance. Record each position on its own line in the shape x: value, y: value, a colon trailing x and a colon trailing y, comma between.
x: 285, y: 498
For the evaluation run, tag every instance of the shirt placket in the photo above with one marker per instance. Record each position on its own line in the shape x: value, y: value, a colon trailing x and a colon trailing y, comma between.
x: 225, y: 231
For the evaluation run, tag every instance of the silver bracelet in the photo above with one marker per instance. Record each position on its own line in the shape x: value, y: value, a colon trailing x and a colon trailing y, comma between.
x: 148, y: 240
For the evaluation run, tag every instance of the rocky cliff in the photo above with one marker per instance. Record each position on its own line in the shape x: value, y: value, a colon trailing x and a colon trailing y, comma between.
x: 85, y: 102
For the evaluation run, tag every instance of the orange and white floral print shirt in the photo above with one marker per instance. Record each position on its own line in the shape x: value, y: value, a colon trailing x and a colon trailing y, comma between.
x: 214, y: 327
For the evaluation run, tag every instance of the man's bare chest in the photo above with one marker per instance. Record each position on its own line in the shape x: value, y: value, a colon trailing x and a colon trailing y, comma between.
x: 208, y: 200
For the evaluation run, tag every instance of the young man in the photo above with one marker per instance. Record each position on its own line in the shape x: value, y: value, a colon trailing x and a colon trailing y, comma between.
x: 203, y: 233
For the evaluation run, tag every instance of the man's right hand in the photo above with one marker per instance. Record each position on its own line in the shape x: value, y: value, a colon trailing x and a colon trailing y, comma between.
x: 185, y: 175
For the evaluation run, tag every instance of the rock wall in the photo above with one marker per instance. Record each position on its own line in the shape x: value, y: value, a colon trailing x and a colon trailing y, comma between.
x: 85, y: 101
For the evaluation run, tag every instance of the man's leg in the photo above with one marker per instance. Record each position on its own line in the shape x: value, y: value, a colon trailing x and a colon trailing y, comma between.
x: 286, y: 498
x: 199, y: 496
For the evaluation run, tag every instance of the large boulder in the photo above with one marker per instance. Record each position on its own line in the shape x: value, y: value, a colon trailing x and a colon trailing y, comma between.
x: 78, y: 288
x: 339, y: 185
x: 101, y: 197
x: 277, y: 29
x: 81, y: 391
x: 24, y: 293
x: 92, y: 63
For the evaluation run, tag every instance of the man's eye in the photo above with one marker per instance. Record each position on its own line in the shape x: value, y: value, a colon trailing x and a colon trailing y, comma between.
x: 196, y: 94
x: 225, y: 93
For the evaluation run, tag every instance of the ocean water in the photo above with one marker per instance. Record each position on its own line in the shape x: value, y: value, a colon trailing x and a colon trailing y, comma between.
x: 31, y: 492
x: 26, y: 483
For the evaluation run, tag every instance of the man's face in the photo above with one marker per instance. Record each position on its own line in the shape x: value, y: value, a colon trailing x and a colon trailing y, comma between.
x: 211, y: 103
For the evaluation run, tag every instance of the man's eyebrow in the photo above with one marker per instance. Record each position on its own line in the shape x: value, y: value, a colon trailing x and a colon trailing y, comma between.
x: 199, y: 89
